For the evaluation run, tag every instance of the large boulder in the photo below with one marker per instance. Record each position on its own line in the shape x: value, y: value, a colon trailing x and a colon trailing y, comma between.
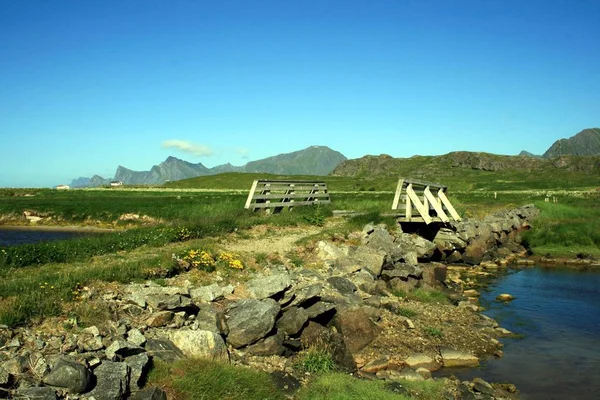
x: 410, y: 243
x: 69, y: 375
x: 164, y: 302
x: 112, y: 381
x: 370, y: 259
x: 200, y: 344
x: 210, y: 293
x: 356, y: 327
x: 457, y: 358
x: 139, y: 366
x: 449, y: 240
x: 164, y: 349
x: 316, y: 336
x: 292, y: 321
x: 250, y: 320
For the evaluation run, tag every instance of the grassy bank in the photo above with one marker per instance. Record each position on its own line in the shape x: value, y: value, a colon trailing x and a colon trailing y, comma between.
x: 209, y: 380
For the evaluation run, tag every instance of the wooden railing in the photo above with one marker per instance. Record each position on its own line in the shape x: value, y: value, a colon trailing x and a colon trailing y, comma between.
x: 428, y: 199
x: 275, y: 195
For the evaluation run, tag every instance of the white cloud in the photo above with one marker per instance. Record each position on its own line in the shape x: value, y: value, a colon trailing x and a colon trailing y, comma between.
x: 197, y: 149
x: 243, y: 152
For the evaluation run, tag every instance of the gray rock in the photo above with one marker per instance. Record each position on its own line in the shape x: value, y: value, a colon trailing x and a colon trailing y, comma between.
x: 342, y: 285
x: 4, y: 377
x: 164, y: 350
x: 112, y: 379
x: 210, y: 293
x: 329, y: 251
x: 35, y: 393
x: 370, y: 259
x: 139, y: 366
x: 168, y: 302
x: 268, y: 286
x: 122, y: 348
x: 402, y: 271
x: 16, y: 365
x: 306, y: 293
x: 481, y: 386
x: 150, y: 288
x: 200, y: 344
x: 271, y: 346
x: 449, y: 240
x: 416, y: 361
x: 136, y: 337
x: 316, y: 335
x: 38, y: 365
x: 318, y: 309
x: 292, y: 321
x: 87, y: 342
x: 415, y: 243
x: 211, y: 319
x: 152, y: 393
x: 250, y: 320
x: 69, y: 375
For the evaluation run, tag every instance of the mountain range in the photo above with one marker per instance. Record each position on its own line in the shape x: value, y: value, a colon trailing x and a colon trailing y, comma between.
x: 314, y: 160
x: 585, y: 143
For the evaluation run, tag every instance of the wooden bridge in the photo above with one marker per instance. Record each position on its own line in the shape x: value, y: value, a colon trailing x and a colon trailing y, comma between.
x: 423, y: 202
x: 276, y: 194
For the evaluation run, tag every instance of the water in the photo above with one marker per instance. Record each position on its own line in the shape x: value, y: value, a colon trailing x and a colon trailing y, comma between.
x: 558, y: 312
x: 16, y: 236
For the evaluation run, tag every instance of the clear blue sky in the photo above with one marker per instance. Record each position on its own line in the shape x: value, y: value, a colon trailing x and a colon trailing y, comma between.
x: 88, y: 85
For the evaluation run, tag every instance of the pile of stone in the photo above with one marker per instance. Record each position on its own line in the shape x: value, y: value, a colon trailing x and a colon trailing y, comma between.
x: 275, y: 314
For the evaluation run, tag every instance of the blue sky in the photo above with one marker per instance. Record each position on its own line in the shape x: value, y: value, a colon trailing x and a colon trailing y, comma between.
x: 86, y: 86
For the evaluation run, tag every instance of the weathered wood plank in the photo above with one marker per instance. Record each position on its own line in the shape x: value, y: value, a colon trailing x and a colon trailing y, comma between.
x: 287, y: 204
x: 417, y: 203
x: 289, y: 195
x: 251, y: 194
x: 397, y: 194
x: 436, y: 206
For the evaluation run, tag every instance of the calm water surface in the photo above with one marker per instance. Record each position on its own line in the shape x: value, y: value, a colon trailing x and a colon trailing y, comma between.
x: 16, y: 236
x: 558, y: 312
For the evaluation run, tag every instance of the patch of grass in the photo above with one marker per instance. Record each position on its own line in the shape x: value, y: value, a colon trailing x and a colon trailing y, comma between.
x: 337, y: 386
x: 296, y: 259
x: 433, y: 332
x: 407, y: 312
x: 315, y: 360
x: 210, y: 380
x: 428, y: 296
x: 261, y: 258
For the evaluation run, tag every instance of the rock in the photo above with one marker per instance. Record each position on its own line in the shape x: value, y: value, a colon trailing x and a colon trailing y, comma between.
x: 370, y: 259
x: 136, y: 337
x: 409, y: 374
x: 372, y: 367
x: 151, y: 288
x: 38, y: 365
x: 152, y: 393
x: 422, y: 361
x: 111, y: 381
x: 69, y: 375
x: 161, y: 318
x: 424, y: 372
x: 139, y: 366
x: 475, y: 251
x: 505, y: 297
x: 471, y: 293
x: 15, y: 366
x: 268, y: 286
x: 271, y: 346
x: 504, y: 332
x: 292, y: 321
x: 306, y: 293
x: 87, y: 342
x: 448, y: 240
x: 317, y: 336
x: 434, y: 274
x: 402, y: 271
x: 454, y: 257
x: 122, y: 348
x: 211, y: 319
x: 415, y: 243
x: 4, y: 377
x: 329, y: 251
x: 481, y: 386
x: 164, y: 302
x: 250, y: 320
x: 210, y: 293
x: 456, y: 358
x: 356, y: 328
x: 342, y: 285
x: 200, y: 344
x: 318, y: 309
x: 164, y: 350
x: 35, y: 393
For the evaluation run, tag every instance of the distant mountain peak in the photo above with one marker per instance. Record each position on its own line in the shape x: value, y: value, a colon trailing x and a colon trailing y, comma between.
x: 314, y: 160
x: 585, y: 143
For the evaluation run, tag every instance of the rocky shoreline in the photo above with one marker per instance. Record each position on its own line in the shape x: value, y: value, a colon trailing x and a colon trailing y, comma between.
x: 357, y: 302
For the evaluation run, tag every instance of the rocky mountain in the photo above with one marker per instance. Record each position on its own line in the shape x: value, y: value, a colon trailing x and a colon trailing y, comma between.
x: 585, y: 143
x: 314, y: 160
